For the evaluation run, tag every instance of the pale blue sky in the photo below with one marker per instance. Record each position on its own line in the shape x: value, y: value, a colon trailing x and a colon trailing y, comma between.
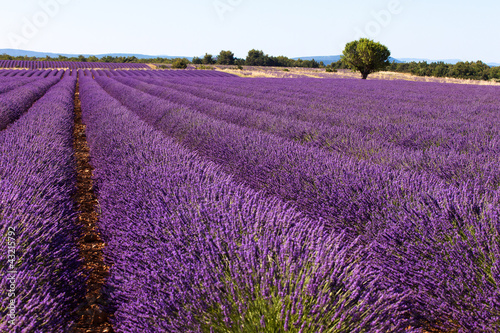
x: 434, y: 29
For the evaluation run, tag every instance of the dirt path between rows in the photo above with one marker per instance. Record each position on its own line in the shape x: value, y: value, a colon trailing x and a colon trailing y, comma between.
x: 91, y: 317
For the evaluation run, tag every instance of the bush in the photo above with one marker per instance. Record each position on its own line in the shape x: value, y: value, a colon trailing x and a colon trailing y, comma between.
x: 206, y: 67
x: 180, y: 63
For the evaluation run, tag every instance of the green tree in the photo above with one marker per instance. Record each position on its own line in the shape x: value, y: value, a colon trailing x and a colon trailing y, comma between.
x: 92, y: 59
x: 257, y: 58
x: 225, y: 58
x: 180, y: 63
x: 197, y: 61
x: 107, y: 59
x: 366, y: 56
x: 208, y: 59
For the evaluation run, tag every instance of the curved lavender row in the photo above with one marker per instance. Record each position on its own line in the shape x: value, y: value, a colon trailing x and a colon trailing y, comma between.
x: 67, y: 64
x: 344, y: 190
x: 391, y: 102
x: 8, y: 85
x: 16, y: 102
x: 453, y: 166
x: 37, y: 183
x: 262, y: 87
x: 451, y: 271
x: 238, y: 115
x: 191, y: 251
x: 398, y: 210
x: 373, y: 97
x: 168, y: 74
x: 373, y: 106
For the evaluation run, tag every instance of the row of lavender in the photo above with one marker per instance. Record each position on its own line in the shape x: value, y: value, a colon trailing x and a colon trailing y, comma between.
x: 68, y: 64
x: 5, y: 74
x: 193, y: 251
x: 18, y: 94
x: 456, y: 152
x: 158, y: 73
x: 435, y: 241
x: 453, y: 143
x: 42, y: 283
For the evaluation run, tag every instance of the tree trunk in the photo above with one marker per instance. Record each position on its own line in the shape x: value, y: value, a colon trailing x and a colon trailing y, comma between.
x: 364, y: 75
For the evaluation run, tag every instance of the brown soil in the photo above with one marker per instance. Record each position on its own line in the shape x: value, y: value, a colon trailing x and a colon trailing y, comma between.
x: 91, y: 317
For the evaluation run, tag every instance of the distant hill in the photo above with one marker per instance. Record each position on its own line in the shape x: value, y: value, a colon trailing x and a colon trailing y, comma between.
x: 16, y: 53
x: 446, y: 61
x: 327, y: 60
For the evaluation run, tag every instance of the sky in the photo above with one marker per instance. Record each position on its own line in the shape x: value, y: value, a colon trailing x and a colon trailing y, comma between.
x: 433, y: 29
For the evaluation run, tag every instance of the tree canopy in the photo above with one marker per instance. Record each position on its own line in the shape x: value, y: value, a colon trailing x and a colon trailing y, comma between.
x: 208, y: 59
x: 366, y: 56
x: 225, y: 58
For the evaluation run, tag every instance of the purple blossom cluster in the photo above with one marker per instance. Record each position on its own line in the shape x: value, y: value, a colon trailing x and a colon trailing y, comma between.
x: 431, y: 234
x: 191, y: 250
x: 37, y: 184
x: 161, y: 73
x: 35, y: 64
x: 8, y: 84
x: 15, y: 73
x: 15, y: 102
x: 457, y: 157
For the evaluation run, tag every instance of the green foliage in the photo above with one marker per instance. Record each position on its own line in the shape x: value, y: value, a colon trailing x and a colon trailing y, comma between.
x: 239, y: 62
x: 331, y: 70
x: 282, y: 61
x: 462, y: 70
x: 225, y: 58
x: 338, y: 65
x: 208, y: 59
x: 366, y: 56
x: 92, y: 59
x: 197, y: 61
x: 205, y: 67
x: 257, y: 58
x: 306, y: 63
x: 180, y: 63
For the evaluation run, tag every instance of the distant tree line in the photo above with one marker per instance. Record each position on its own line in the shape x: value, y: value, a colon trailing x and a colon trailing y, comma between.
x: 255, y: 58
x: 462, y: 70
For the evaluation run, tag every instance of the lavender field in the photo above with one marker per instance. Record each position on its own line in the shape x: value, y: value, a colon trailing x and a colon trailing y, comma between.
x: 232, y: 204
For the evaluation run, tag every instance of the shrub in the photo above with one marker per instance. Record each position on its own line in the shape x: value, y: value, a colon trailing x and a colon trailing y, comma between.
x: 180, y: 63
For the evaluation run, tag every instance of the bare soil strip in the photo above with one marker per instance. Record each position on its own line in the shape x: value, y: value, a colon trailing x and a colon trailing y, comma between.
x: 91, y: 318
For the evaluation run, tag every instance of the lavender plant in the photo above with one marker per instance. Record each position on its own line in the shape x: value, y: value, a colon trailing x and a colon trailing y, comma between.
x: 193, y: 251
x: 15, y: 102
x: 37, y: 183
x: 403, y: 216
